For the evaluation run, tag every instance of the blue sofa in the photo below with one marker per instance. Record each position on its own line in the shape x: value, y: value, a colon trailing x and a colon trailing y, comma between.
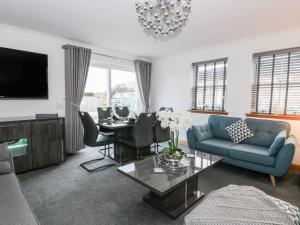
x: 253, y: 153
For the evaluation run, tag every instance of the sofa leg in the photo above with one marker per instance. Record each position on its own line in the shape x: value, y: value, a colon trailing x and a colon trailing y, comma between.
x: 273, y: 180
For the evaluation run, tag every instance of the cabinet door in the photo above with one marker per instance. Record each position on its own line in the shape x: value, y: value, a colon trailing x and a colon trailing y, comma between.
x: 47, y: 142
x: 17, y: 135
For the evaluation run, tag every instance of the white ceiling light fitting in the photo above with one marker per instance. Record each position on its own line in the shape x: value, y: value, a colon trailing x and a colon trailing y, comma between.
x: 163, y: 17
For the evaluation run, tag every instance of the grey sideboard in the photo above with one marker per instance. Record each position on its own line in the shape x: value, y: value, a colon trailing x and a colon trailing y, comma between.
x: 34, y: 143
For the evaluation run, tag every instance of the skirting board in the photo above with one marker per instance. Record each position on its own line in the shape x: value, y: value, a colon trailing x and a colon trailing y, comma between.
x: 294, y: 167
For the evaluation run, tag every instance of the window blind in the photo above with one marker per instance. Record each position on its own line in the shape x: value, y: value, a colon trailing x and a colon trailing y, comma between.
x: 276, y: 83
x: 209, y: 85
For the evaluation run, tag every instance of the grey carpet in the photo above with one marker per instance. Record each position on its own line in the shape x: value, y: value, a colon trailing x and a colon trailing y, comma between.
x: 69, y: 195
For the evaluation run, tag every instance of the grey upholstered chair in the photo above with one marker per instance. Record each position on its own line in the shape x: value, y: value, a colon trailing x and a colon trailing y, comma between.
x: 103, y: 113
x: 160, y: 134
x: 93, y: 138
x: 142, y: 134
x: 122, y: 111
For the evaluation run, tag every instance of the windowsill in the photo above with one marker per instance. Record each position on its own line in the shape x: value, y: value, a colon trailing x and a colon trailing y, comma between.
x: 207, y: 112
x: 273, y: 116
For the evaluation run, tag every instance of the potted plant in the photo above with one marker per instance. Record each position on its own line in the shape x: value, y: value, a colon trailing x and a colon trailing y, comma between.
x: 177, y: 122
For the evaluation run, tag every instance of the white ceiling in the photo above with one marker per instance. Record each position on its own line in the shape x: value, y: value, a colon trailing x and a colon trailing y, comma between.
x: 113, y: 24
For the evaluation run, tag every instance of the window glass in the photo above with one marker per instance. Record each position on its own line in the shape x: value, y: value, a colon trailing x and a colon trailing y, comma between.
x: 110, y: 87
x: 96, y: 91
x: 276, y: 83
x: 124, y: 90
x: 210, y: 82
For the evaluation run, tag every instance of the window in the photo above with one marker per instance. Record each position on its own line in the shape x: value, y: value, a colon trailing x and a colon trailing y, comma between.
x: 96, y: 93
x: 108, y: 87
x: 209, y: 85
x: 276, y: 84
x: 124, y: 89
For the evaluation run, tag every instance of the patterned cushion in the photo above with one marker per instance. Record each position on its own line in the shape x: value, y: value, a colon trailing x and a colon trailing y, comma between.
x: 239, y: 131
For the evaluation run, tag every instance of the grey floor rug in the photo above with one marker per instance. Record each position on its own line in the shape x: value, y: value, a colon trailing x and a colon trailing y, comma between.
x: 69, y: 195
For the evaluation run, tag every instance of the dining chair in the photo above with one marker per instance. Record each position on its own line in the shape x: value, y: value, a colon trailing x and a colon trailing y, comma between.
x: 122, y: 111
x: 160, y: 134
x: 93, y: 138
x: 103, y: 113
x: 142, y: 134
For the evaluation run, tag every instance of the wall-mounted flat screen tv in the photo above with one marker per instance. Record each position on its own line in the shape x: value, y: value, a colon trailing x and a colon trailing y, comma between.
x: 23, y: 75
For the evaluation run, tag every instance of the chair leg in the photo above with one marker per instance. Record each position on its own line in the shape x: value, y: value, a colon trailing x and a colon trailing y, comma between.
x: 105, y: 149
x: 139, y: 154
x: 83, y: 165
x: 273, y: 180
x: 154, y: 147
x: 112, y: 157
x: 102, y: 149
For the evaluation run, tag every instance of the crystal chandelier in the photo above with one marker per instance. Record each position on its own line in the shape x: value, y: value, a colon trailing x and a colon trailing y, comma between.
x: 163, y: 17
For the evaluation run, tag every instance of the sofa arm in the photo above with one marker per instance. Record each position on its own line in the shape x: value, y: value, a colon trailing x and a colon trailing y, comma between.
x: 191, y: 139
x: 6, y: 160
x: 285, y: 156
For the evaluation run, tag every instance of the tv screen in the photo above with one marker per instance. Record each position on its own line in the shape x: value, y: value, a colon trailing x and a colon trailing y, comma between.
x: 23, y: 75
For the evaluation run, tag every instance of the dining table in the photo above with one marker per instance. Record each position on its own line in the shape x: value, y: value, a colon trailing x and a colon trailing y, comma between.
x: 121, y: 130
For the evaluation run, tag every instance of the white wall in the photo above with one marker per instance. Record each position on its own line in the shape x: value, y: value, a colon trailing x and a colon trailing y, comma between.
x: 17, y: 38
x: 172, y: 75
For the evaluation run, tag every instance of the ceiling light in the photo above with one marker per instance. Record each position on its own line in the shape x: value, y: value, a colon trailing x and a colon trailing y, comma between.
x: 163, y: 17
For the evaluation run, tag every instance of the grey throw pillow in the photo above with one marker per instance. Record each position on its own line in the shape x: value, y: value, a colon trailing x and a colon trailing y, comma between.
x: 4, y: 152
x: 278, y: 143
x: 5, y: 167
x: 238, y: 131
x: 202, y: 132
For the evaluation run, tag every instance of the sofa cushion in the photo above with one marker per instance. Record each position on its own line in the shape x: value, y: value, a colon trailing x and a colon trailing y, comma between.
x: 249, y: 165
x: 5, y: 167
x: 238, y: 131
x: 215, y: 146
x: 252, y: 153
x: 5, y: 159
x: 265, y: 131
x: 202, y: 132
x: 14, y: 208
x: 218, y: 125
x: 278, y: 143
x: 4, y: 152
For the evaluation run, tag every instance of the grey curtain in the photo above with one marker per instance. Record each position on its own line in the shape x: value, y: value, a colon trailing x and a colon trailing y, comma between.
x: 143, y: 74
x: 77, y: 61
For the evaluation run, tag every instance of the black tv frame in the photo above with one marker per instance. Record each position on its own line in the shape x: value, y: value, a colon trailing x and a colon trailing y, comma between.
x: 29, y: 98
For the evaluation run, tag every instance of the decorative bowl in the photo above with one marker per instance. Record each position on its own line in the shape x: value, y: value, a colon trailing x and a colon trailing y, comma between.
x: 174, y: 158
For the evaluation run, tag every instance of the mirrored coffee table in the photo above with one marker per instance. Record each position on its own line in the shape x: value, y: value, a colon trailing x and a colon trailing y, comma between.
x: 174, y: 190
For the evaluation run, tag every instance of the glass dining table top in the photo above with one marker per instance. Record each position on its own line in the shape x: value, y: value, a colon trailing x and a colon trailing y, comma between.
x: 142, y: 171
x: 114, y: 124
